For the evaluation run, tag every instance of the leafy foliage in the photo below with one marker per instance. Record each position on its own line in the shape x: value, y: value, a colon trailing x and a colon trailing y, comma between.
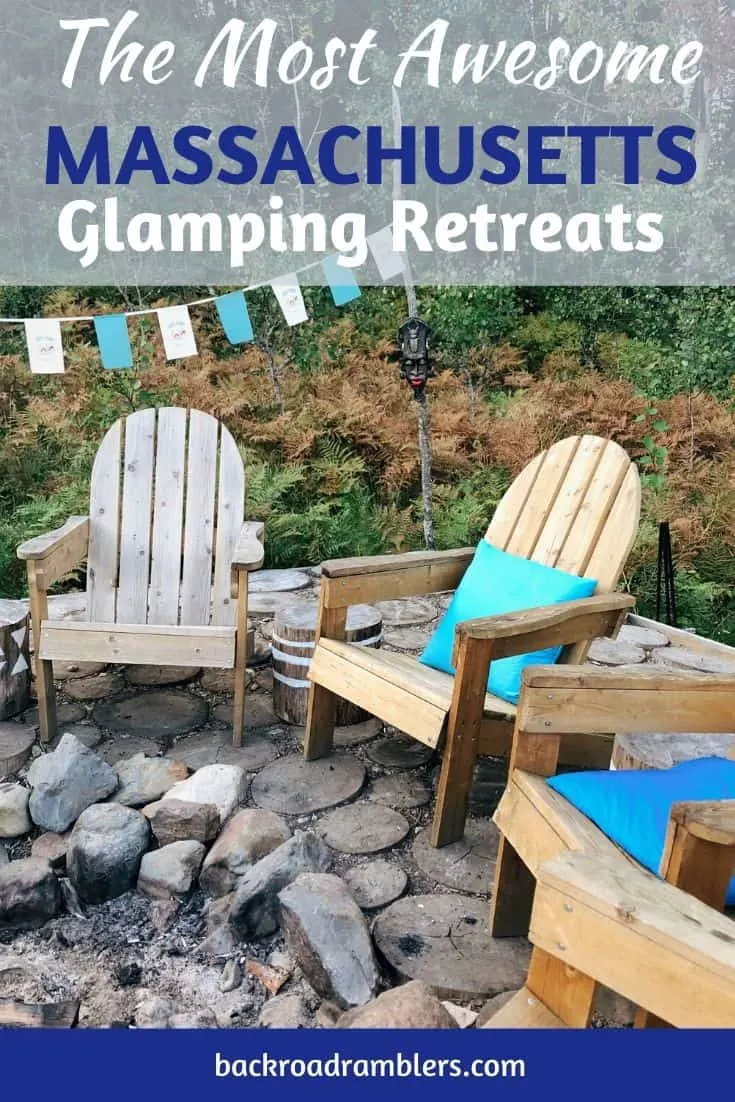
x: 328, y: 430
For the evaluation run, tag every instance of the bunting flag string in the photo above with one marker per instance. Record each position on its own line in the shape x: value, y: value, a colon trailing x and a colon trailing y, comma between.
x: 44, y: 339
x: 114, y: 342
x: 288, y: 292
x: 179, y: 341
x: 45, y: 348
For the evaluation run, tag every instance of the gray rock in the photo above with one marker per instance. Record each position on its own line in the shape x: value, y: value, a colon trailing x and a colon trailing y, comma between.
x: 105, y: 851
x: 255, y: 910
x: 52, y: 848
x: 463, y: 1016
x: 171, y: 871
x: 181, y: 821
x: 157, y: 1012
x: 66, y: 782
x: 248, y: 836
x: 14, y: 819
x: 29, y: 894
x: 143, y: 779
x: 221, y: 785
x: 4, y: 859
x: 329, y: 938
x: 70, y: 898
x: 220, y: 941
x: 411, y: 1006
x: 284, y: 1012
x: 231, y: 976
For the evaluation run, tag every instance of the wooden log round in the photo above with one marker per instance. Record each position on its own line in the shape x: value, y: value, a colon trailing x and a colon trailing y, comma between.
x: 662, y: 751
x: 293, y: 646
x: 681, y: 658
x: 16, y: 740
x: 15, y: 659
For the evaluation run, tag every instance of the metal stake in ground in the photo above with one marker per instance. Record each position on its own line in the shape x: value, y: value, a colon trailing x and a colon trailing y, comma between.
x: 419, y: 391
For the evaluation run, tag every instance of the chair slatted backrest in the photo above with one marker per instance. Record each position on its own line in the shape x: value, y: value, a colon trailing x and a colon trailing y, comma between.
x: 575, y: 506
x: 167, y: 504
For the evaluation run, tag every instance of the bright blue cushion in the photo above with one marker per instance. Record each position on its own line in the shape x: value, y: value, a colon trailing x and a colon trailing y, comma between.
x: 632, y: 806
x: 494, y: 583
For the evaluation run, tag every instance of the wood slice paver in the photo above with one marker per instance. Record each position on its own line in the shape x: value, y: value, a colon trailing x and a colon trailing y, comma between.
x: 661, y: 751
x: 613, y: 652
x: 16, y: 740
x: 67, y: 606
x: 648, y: 638
x: 293, y: 786
x: 402, y: 791
x: 121, y: 747
x: 160, y: 675
x: 681, y: 658
x: 66, y: 714
x: 376, y: 884
x: 407, y: 613
x: 258, y: 712
x: 443, y: 941
x: 363, y: 828
x: 157, y: 715
x: 278, y: 581
x: 99, y: 687
x: 87, y: 733
x: 399, y: 752
x: 268, y: 604
x: 346, y: 737
x: 412, y: 640
x: 215, y: 747
x: 70, y: 671
x: 467, y: 865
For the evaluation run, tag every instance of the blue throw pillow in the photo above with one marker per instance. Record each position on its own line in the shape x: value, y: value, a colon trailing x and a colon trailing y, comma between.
x: 632, y: 806
x: 494, y: 583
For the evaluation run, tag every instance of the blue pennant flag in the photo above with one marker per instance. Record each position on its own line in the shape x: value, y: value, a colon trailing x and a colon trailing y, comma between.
x: 342, y: 282
x: 233, y: 313
x: 114, y: 342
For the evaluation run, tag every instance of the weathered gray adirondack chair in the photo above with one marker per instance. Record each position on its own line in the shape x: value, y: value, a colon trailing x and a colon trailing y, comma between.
x: 168, y: 556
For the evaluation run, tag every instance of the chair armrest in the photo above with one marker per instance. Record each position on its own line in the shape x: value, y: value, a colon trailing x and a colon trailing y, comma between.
x: 390, y: 577
x: 710, y: 820
x: 550, y: 626
x: 53, y: 555
x: 41, y: 547
x: 664, y: 950
x: 249, y: 552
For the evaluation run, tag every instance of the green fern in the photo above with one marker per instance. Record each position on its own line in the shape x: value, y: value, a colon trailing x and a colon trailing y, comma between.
x: 462, y: 512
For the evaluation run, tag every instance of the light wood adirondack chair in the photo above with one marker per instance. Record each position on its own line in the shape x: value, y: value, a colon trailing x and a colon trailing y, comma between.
x: 596, y: 921
x: 537, y: 824
x: 168, y: 556
x: 575, y: 507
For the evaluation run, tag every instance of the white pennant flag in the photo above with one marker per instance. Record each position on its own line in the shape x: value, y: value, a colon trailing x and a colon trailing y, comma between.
x: 288, y: 292
x: 389, y: 262
x: 176, y: 330
x: 45, y: 350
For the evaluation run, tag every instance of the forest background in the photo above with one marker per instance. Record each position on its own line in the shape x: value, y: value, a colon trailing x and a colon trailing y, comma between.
x: 329, y: 431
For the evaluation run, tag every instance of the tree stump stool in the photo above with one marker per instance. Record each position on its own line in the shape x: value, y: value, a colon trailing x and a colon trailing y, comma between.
x: 294, y: 632
x: 15, y: 660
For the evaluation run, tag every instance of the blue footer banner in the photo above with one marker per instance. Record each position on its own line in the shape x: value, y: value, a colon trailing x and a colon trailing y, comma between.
x: 593, y: 1066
